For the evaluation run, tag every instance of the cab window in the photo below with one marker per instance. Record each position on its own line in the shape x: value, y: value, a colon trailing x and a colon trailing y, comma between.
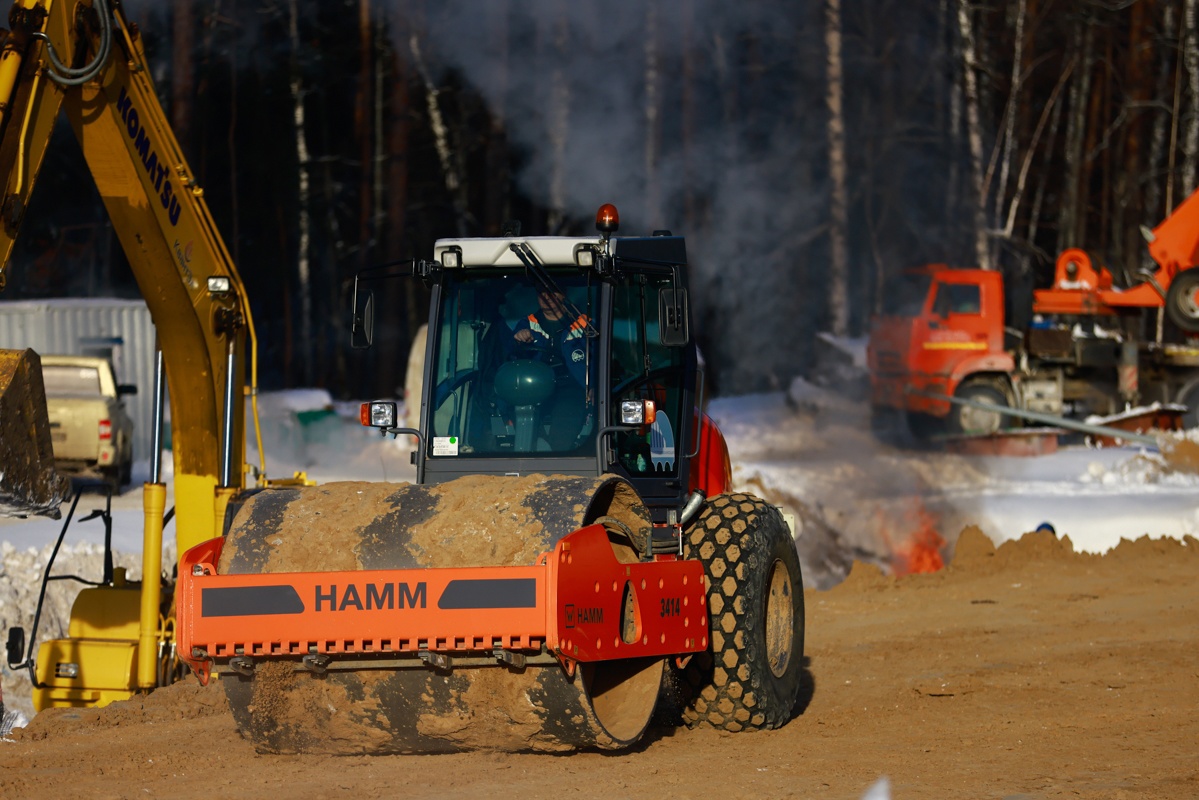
x: 957, y: 298
x: 515, y: 366
x: 644, y: 369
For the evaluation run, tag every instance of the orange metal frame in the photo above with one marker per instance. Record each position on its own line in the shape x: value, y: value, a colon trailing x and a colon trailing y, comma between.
x: 571, y: 601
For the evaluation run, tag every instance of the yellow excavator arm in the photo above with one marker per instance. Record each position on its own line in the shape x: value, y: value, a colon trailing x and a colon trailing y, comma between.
x: 84, y: 58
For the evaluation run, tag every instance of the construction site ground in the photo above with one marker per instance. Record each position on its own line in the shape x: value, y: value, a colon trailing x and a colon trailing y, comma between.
x: 1029, y: 671
x: 1024, y: 671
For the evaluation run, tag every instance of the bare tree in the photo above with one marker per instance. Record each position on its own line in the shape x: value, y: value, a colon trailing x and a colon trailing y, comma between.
x: 182, y: 72
x: 1157, y: 168
x: 1190, y: 55
x: 952, y: 123
x: 303, y: 223
x: 441, y: 135
x: 1071, y: 212
x: 974, y: 132
x: 839, y: 211
x: 1011, y: 112
x: 363, y: 130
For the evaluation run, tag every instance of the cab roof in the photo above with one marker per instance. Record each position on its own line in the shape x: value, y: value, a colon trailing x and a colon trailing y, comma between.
x: 496, y: 252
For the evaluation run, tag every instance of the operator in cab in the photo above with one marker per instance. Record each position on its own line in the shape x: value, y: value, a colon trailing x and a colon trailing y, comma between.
x: 556, y: 339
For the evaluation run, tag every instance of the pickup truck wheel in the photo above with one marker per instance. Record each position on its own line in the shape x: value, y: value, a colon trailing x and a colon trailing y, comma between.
x: 969, y: 420
x: 750, y: 676
x: 112, y: 476
x: 1182, y: 300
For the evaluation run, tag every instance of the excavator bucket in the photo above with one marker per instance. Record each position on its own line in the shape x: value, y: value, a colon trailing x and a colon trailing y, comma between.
x: 29, y: 483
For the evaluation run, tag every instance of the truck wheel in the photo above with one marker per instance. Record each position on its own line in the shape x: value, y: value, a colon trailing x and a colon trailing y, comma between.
x: 976, y: 421
x: 750, y: 676
x: 1182, y: 300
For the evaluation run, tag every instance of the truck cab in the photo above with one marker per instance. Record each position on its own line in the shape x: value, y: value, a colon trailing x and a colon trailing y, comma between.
x: 954, y: 330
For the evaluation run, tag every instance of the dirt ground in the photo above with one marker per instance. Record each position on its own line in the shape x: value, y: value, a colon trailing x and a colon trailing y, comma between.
x: 1024, y: 672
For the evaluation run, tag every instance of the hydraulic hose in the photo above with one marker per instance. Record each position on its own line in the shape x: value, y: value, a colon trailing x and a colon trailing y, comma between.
x: 63, y: 75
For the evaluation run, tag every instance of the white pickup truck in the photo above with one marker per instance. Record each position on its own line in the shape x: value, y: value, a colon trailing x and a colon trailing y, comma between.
x: 91, y: 431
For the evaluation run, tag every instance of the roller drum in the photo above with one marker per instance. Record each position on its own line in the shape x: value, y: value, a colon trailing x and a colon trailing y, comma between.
x: 472, y: 521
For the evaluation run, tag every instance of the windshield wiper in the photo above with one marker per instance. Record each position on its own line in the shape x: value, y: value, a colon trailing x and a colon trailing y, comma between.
x: 536, y: 268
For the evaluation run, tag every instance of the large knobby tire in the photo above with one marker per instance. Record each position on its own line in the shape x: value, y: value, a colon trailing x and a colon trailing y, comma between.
x: 969, y: 420
x: 750, y: 677
x: 1182, y: 300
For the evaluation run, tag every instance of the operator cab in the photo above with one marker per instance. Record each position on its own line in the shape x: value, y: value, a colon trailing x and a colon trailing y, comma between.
x: 559, y: 355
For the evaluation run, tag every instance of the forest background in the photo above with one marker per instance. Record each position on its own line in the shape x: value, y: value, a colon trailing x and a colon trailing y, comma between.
x: 809, y: 150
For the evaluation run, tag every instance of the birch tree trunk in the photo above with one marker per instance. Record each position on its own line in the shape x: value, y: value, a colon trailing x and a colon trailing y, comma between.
x: 839, y: 204
x: 303, y: 223
x: 953, y: 122
x: 441, y: 135
x: 1013, y: 111
x: 1038, y: 200
x: 1153, y: 210
x: 974, y: 133
x: 1190, y: 147
x: 1080, y: 92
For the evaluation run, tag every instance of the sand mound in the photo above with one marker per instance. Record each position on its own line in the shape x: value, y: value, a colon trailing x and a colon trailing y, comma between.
x: 184, y: 700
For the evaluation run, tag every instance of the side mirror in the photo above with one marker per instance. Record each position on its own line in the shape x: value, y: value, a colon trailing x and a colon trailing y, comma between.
x: 362, y: 330
x: 16, y: 646
x: 672, y: 317
x: 126, y: 388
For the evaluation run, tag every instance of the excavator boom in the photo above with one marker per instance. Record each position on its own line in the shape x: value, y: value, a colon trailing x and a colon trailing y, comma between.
x: 157, y: 211
x: 83, y: 59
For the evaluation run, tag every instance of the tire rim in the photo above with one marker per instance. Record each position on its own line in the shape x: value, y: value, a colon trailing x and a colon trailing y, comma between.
x: 780, y: 619
x: 1188, y: 302
x: 977, y: 420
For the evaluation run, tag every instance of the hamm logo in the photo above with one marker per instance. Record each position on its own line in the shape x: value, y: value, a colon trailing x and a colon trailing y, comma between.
x: 371, y: 596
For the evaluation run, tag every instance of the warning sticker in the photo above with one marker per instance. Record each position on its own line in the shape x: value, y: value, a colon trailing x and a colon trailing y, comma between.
x: 445, y: 445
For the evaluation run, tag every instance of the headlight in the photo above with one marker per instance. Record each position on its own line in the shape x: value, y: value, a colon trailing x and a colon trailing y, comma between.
x: 637, y: 412
x: 378, y: 414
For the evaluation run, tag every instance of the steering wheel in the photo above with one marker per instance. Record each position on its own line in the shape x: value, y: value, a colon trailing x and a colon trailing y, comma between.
x: 451, y: 383
x: 525, y: 350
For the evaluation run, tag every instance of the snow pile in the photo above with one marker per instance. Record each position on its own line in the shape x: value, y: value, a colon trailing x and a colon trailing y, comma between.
x: 304, y: 430
x: 11, y: 719
x: 21, y: 571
